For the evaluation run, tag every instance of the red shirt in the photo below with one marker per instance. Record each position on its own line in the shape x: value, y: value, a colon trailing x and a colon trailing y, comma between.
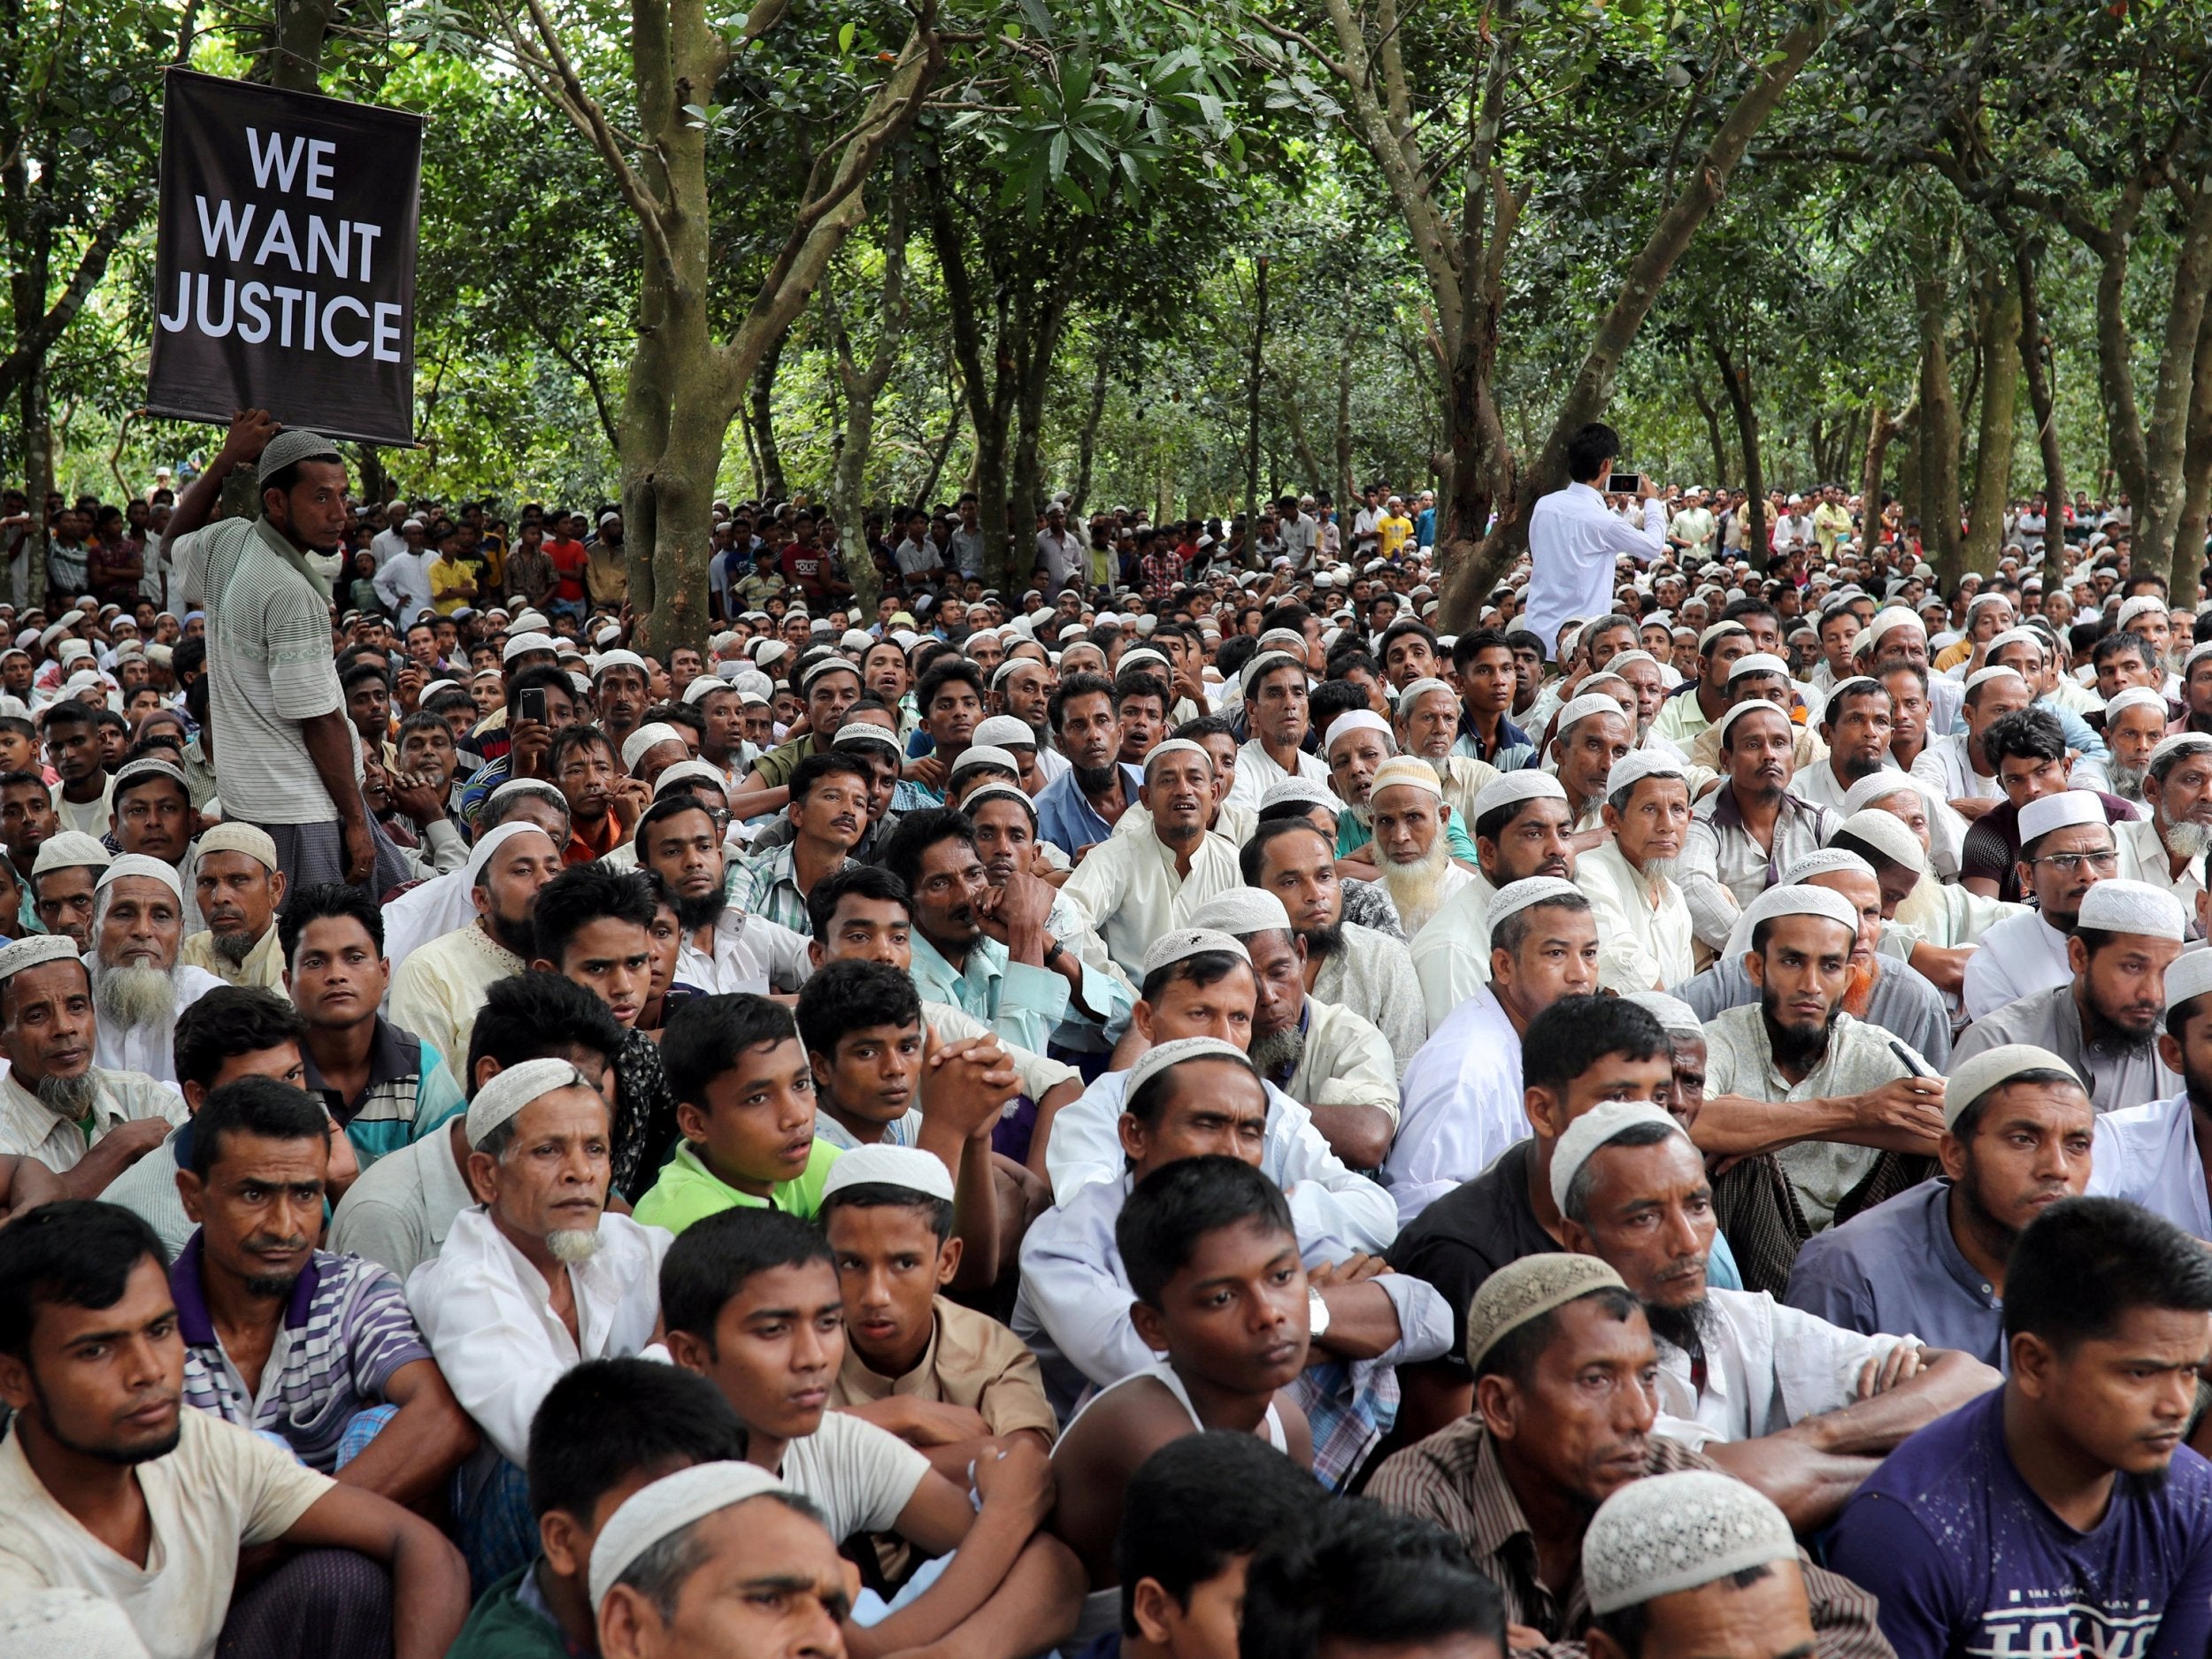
x: 569, y: 559
x: 802, y: 567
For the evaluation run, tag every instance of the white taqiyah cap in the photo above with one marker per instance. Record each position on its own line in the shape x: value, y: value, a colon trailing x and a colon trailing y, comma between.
x: 669, y: 1505
x: 68, y: 850
x: 1421, y: 689
x: 1738, y: 711
x: 1972, y: 1079
x: 1174, y: 946
x: 1242, y: 912
x: 508, y: 1092
x: 685, y: 772
x: 1894, y: 616
x: 2013, y: 636
x: 2141, y: 605
x: 2168, y: 748
x: 1823, y: 861
x: 1167, y: 1055
x: 1173, y: 746
x: 127, y: 864
x: 863, y: 732
x: 492, y: 840
x: 2134, y: 697
x: 1306, y: 792
x: 1981, y: 677
x: 1757, y: 663
x: 1882, y: 785
x: 1407, y: 772
x: 522, y: 644
x: 1003, y: 730
x: 1667, y: 1533
x: 1517, y: 896
x: 241, y: 837
x: 1580, y: 709
x: 2188, y: 977
x: 1776, y: 902
x: 1886, y: 834
x: 830, y: 664
x: 1587, y: 1133
x: 2059, y: 811
x: 982, y: 754
x: 648, y: 736
x: 2197, y: 654
x: 289, y: 447
x: 1639, y: 764
x: 887, y: 1165
x: 35, y: 950
x: 2121, y: 906
x: 1358, y: 721
x: 1718, y: 631
x: 1510, y: 788
x: 705, y: 686
x: 1676, y: 1016
x: 998, y: 791
x: 619, y: 659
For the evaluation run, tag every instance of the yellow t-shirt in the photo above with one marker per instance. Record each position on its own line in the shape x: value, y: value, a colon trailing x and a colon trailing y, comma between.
x: 447, y: 577
x: 1395, y: 530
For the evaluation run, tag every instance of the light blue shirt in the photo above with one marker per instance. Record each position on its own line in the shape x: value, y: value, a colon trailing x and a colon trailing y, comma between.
x: 1020, y: 1002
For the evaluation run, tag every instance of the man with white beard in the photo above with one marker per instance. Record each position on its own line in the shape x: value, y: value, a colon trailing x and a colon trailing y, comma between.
x: 139, y: 988
x: 1427, y: 724
x: 2134, y: 724
x: 1410, y: 851
x: 2167, y: 847
x: 1644, y: 939
x: 537, y: 1239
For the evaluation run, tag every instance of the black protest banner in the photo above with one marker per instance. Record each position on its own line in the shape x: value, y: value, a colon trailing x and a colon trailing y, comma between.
x: 284, y: 262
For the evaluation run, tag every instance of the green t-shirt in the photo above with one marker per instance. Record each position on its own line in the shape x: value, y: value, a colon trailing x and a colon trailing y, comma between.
x: 501, y: 1626
x: 687, y: 1191
x: 777, y: 766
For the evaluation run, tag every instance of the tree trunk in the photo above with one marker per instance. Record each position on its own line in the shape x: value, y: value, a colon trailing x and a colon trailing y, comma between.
x: 1880, y: 428
x: 761, y: 417
x: 1736, y: 382
x: 1345, y: 482
x: 2115, y: 344
x: 1696, y: 383
x: 1255, y: 376
x: 2039, y: 367
x: 944, y: 448
x: 1309, y: 463
x: 1038, y: 343
x: 2196, y: 501
x: 1087, y: 444
x: 1992, y: 443
x: 1938, y: 414
x: 294, y: 65
x: 862, y: 384
x: 2158, y: 509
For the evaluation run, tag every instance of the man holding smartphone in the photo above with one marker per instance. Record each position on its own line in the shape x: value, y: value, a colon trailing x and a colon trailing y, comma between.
x: 1574, y: 537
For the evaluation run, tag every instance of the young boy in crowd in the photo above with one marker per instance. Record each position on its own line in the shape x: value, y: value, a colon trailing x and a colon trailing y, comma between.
x: 750, y: 1301
x: 943, y: 1378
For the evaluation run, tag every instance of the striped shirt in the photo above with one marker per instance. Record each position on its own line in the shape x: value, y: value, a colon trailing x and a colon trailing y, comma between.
x: 346, y: 1331
x: 768, y: 886
x: 409, y: 1094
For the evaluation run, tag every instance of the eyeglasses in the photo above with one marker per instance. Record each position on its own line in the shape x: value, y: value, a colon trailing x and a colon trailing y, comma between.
x: 2072, y: 864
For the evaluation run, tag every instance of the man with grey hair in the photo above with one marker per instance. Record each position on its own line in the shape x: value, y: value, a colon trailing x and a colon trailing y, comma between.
x: 2167, y: 847
x: 139, y: 986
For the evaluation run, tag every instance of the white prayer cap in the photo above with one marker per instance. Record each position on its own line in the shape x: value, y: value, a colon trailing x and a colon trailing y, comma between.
x: 35, y: 950
x: 1639, y: 764
x: 1358, y: 721
x: 1142, y: 654
x: 982, y: 754
x: 1580, y: 709
x: 1776, y: 902
x: 1174, y: 746
x: 1003, y: 730
x: 241, y: 837
x: 887, y: 1165
x: 514, y: 787
x: 2118, y: 905
x: 1980, y: 600
x: 1307, y: 791
x: 2197, y: 654
x: 855, y: 639
x: 529, y: 621
x: 1736, y: 711
x: 1971, y: 1080
x: 822, y: 665
x: 1676, y: 1016
x: 1289, y: 639
x: 55, y: 630
x: 682, y: 772
x: 127, y: 864
x: 1073, y: 631
x: 1719, y: 630
x: 608, y: 635
x: 1517, y: 896
x: 1167, y: 1055
x: 1510, y: 788
x: 1893, y: 617
x: 2169, y: 749
x: 1528, y: 1289
x: 1757, y: 663
x: 646, y: 737
x: 286, y: 448
x: 1982, y: 676
x: 1670, y: 1533
x: 146, y: 766
x: 666, y: 1506
x: 1421, y: 689
x: 1886, y: 834
x: 767, y: 651
x: 508, y: 1092
x: 1882, y: 785
x: 1406, y: 771
x: 862, y: 732
x: 522, y: 644
x: 1242, y: 912
x: 705, y: 686
x: 618, y: 659
x: 1587, y: 1133
x: 1173, y: 946
x: 68, y: 849
x: 2013, y: 636
x: 1823, y: 861
x: 2136, y: 697
x: 492, y: 840
x: 2059, y: 811
x: 64, y: 1622
x: 1852, y: 685
x: 2141, y: 605
x: 1266, y: 663
x: 999, y: 792
x: 2188, y: 977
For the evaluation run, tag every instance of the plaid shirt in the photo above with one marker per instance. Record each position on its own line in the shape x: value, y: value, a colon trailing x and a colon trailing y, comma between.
x: 1454, y: 1479
x: 1157, y: 574
x: 768, y: 886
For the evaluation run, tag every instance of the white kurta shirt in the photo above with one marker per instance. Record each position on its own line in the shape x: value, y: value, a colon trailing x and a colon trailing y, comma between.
x: 2149, y: 1155
x: 1573, y: 539
x: 1347, y: 1061
x: 1451, y: 956
x: 151, y: 1050
x: 1461, y: 1105
x: 1645, y: 941
x: 1945, y: 763
x: 2018, y: 956
x: 2143, y: 859
x: 1373, y: 974
x: 487, y: 1313
x: 1128, y: 891
x: 1767, y: 1367
x: 28, y: 1129
x: 750, y: 953
x: 1257, y: 773
x: 439, y: 991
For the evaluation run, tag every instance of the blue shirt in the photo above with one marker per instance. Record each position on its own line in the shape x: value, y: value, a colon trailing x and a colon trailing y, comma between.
x: 1895, y: 1269
x: 1065, y: 816
x: 1020, y: 1002
x: 1968, y: 1564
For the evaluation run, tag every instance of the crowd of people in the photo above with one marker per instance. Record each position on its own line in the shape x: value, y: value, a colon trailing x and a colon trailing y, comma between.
x: 1179, y: 1113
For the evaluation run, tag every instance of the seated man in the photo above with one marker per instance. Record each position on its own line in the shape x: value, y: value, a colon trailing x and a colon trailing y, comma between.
x: 1193, y: 1233
x: 1328, y: 1059
x: 1798, y: 1407
x: 402, y: 1208
x: 828, y: 812
x: 1192, y: 1516
x: 1629, y: 880
x: 68, y: 865
x: 2103, y: 1022
x: 1133, y: 887
x: 1187, y: 1099
x: 84, y: 1122
x: 1346, y: 965
x: 1522, y: 830
x: 240, y: 889
x: 947, y: 1380
x: 437, y: 991
x: 108, y: 1484
x: 1462, y: 1100
x: 315, y: 1348
x: 2059, y: 1510
x: 1200, y: 983
x: 606, y: 1431
x: 2066, y: 847
x: 540, y: 1277
x: 2154, y: 1155
x: 152, y: 817
x: 1670, y: 1558
x: 751, y: 1303
x: 444, y: 903
x: 725, y: 951
x: 1357, y: 1578
x: 1412, y: 853
x: 1560, y: 1419
x: 2016, y: 1138
x: 138, y: 985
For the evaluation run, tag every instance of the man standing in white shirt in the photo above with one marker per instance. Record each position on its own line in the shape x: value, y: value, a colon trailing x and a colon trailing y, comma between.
x: 1059, y: 550
x: 1573, y: 539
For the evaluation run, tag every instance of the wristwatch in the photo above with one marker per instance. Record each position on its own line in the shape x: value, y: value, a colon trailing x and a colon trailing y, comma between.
x: 1054, y: 952
x: 1316, y: 1314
